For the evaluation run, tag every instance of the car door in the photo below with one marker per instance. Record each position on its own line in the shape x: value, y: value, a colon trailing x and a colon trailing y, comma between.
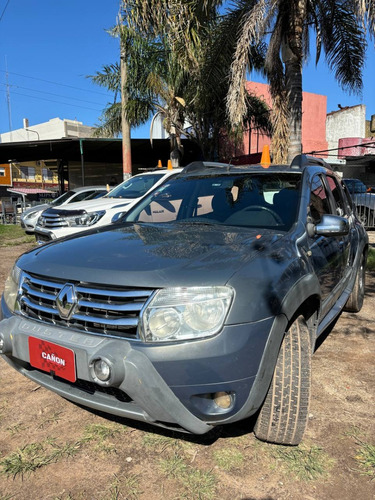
x: 342, y: 208
x: 327, y: 252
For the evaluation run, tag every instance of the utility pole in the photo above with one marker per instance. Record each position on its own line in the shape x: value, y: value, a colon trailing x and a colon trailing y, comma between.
x: 126, y: 137
x: 8, y: 97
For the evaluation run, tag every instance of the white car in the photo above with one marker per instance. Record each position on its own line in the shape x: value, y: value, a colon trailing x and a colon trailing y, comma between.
x: 30, y: 216
x: 56, y: 223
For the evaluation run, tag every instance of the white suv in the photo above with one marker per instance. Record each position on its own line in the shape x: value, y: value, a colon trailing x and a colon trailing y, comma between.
x: 30, y: 216
x: 58, y: 222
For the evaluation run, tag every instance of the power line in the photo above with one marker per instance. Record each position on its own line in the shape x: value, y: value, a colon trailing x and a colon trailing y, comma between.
x: 370, y: 145
x: 54, y: 83
x: 4, y: 9
x: 50, y: 93
x: 51, y: 100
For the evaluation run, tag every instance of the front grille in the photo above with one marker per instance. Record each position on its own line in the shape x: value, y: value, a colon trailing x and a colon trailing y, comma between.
x: 106, y: 311
x: 52, y: 221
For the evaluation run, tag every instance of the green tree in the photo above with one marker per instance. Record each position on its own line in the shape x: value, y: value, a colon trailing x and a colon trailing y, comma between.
x: 340, y: 31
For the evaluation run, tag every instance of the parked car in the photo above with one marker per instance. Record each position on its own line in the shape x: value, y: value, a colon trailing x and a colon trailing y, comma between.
x: 55, y: 223
x: 201, y: 306
x: 364, y: 200
x: 30, y: 216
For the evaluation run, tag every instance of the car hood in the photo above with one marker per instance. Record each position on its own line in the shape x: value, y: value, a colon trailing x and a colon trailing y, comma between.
x: 92, y: 205
x: 37, y: 208
x: 148, y: 255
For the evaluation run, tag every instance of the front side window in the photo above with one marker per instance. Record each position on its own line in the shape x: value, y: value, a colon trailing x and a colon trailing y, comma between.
x: 319, y: 201
x: 340, y: 203
x: 268, y: 200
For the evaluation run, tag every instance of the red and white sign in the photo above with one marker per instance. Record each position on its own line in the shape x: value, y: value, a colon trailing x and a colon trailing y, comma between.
x: 54, y: 358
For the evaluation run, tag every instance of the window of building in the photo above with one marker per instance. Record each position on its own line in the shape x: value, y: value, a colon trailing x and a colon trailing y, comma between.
x: 27, y: 173
x: 2, y: 172
x: 47, y: 174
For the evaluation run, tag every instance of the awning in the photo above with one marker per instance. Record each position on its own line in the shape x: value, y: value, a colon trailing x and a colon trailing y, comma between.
x: 26, y: 191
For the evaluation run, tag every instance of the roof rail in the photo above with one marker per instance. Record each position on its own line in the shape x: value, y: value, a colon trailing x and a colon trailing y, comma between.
x: 197, y: 166
x: 302, y: 161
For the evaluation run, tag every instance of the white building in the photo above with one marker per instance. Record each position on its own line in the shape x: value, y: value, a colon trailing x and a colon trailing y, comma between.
x: 349, y: 121
x: 53, y: 129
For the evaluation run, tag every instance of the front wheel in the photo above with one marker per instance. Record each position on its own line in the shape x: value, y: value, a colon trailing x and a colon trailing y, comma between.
x: 284, y: 414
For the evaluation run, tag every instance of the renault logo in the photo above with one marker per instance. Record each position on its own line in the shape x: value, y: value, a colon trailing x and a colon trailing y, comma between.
x: 66, y: 301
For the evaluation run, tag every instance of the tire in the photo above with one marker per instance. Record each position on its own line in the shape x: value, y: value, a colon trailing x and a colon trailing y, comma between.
x: 355, y: 300
x: 284, y: 414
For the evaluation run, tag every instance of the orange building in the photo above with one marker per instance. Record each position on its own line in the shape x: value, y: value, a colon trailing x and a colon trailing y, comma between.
x: 314, y: 112
x: 5, y: 175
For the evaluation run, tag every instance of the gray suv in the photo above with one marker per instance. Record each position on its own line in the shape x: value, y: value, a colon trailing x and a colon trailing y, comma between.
x: 200, y: 307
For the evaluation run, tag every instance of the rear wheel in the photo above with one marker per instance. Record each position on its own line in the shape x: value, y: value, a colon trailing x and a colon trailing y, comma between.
x: 355, y: 300
x: 284, y: 414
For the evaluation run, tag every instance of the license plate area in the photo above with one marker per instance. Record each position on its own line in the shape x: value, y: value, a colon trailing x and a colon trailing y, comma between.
x: 52, y: 358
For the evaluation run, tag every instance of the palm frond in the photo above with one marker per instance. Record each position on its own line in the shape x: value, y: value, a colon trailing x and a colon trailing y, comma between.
x: 344, y: 43
x: 252, y: 29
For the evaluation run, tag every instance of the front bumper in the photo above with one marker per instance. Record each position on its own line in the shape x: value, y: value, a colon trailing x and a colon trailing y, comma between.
x: 165, y: 385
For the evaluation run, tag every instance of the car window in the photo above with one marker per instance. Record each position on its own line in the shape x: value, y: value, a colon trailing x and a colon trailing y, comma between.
x: 96, y: 194
x: 268, y: 200
x: 136, y: 186
x: 319, y: 201
x: 83, y: 195
x: 355, y: 186
x: 347, y: 197
x: 340, y: 205
x: 62, y: 199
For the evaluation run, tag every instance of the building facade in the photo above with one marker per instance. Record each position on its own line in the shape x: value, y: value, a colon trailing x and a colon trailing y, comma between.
x: 314, y: 111
x: 53, y: 129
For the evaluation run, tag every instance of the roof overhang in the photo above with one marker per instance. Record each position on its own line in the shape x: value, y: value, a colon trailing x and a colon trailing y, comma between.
x: 69, y: 150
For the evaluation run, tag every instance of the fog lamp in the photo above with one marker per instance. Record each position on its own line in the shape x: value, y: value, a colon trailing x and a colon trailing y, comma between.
x: 102, y: 370
x: 2, y: 344
x: 223, y: 400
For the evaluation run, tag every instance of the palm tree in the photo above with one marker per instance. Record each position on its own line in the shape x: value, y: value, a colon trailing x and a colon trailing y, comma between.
x: 191, y: 82
x: 339, y: 27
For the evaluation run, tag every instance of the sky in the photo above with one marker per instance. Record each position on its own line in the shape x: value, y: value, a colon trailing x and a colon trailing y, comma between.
x: 48, y: 48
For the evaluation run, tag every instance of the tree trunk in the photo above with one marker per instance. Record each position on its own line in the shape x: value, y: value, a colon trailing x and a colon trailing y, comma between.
x: 125, y: 126
x: 292, y: 54
x: 293, y: 71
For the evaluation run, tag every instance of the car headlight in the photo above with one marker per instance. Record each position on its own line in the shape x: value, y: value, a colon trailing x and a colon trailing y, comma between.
x: 175, y: 314
x: 11, y: 288
x: 30, y: 215
x: 87, y: 219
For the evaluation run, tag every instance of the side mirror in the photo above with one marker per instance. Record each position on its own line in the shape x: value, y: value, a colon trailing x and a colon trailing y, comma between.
x: 117, y: 216
x: 332, y: 225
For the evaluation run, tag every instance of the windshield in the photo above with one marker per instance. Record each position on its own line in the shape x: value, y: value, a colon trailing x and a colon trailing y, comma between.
x: 61, y: 199
x: 95, y: 195
x: 136, y: 186
x: 266, y: 200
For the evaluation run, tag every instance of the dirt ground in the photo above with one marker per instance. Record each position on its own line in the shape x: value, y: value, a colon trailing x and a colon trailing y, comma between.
x: 53, y: 449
